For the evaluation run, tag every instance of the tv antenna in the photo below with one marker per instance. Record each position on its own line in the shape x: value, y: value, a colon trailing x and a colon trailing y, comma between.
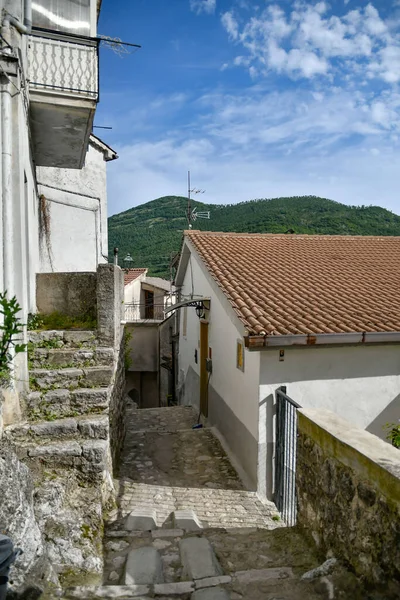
x: 192, y: 215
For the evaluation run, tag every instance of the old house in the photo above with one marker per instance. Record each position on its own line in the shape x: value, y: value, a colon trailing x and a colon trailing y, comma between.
x: 150, y: 368
x: 53, y: 215
x: 318, y: 314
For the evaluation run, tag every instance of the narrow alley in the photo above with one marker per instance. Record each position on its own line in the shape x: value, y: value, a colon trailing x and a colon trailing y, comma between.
x: 185, y: 527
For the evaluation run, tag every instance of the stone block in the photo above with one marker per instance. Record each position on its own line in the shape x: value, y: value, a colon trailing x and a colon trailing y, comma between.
x: 212, y: 581
x: 198, y: 559
x: 104, y: 356
x: 61, y: 427
x: 56, y: 396
x: 187, y: 520
x: 95, y: 451
x: 95, y: 428
x: 98, y: 376
x: 264, y: 574
x: 167, y: 533
x: 174, y: 589
x: 141, y: 519
x: 75, y: 338
x: 112, y: 591
x: 60, y: 358
x: 143, y: 566
x: 90, y: 398
x: 211, y: 594
x: 62, y: 449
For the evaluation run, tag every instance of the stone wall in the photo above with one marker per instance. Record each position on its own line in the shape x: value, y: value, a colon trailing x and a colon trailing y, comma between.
x: 19, y: 522
x: 348, y: 487
x: 110, y: 304
x: 117, y: 406
x: 72, y: 294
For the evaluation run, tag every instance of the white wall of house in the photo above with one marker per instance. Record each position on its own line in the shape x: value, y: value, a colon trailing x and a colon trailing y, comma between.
x: 359, y: 383
x: 132, y: 291
x: 233, y: 394
x: 77, y: 201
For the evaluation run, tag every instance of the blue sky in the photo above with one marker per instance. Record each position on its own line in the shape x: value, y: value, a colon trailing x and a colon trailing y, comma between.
x: 257, y: 98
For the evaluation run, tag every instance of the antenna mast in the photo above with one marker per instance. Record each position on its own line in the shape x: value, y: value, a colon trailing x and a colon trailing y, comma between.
x: 189, y: 216
x: 192, y: 215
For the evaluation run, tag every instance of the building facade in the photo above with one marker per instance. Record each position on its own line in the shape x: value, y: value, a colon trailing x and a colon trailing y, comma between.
x: 52, y: 169
x: 317, y: 314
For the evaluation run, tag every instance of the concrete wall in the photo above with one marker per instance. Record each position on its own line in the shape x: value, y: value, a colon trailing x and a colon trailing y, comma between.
x: 233, y: 394
x: 348, y: 487
x: 77, y: 209
x: 142, y: 388
x: 359, y: 383
x: 132, y: 291
x: 143, y: 346
x: 72, y: 294
x: 110, y: 304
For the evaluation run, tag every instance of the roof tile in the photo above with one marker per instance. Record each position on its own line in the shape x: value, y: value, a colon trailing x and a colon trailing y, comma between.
x: 306, y: 284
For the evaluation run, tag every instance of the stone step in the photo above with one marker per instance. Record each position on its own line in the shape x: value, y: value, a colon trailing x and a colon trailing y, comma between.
x: 56, y: 358
x: 89, y: 456
x: 48, y: 379
x: 72, y: 338
x: 93, y: 427
x: 143, y: 567
x: 198, y: 559
x: 65, y: 403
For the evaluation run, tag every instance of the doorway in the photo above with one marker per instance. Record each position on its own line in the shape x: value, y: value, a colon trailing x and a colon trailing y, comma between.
x: 203, y: 368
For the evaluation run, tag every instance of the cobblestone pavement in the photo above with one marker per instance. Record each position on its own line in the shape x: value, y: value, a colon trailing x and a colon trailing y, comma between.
x: 167, y: 466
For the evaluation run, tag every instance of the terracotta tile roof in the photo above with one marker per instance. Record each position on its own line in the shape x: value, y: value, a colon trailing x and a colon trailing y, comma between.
x: 306, y: 284
x: 132, y: 274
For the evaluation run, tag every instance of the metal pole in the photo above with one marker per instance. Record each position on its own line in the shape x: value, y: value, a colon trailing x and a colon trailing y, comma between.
x: 188, y: 213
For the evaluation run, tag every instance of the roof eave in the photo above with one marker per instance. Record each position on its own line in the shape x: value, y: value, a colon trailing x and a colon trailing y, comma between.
x: 260, y: 342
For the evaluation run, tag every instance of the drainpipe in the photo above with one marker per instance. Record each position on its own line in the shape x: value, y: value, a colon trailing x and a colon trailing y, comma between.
x: 7, y: 188
x: 24, y: 28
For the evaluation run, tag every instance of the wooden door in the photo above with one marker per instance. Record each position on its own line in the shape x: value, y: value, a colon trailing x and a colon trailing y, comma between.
x: 149, y: 304
x: 203, y: 369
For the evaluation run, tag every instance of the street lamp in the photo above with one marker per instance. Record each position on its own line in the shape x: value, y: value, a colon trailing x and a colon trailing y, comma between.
x: 128, y: 259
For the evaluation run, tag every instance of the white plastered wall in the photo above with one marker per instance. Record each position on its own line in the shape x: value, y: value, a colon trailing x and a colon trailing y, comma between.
x: 238, y: 390
x: 77, y: 201
x: 359, y: 383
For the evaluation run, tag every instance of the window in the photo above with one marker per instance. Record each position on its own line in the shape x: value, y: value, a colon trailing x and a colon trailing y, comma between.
x: 69, y: 16
x: 240, y: 355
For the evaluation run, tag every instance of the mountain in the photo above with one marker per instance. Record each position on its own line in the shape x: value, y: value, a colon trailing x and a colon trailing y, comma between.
x: 152, y: 232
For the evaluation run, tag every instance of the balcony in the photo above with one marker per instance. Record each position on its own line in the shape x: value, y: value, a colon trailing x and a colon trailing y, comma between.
x: 64, y: 91
x: 136, y: 312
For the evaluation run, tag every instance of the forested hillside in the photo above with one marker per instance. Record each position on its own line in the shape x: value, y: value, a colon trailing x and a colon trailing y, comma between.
x: 152, y: 232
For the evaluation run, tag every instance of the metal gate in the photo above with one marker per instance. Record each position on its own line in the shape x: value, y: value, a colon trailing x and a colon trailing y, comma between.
x: 285, y: 456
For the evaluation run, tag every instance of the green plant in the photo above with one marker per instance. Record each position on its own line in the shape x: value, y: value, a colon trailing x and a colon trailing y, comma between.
x: 393, y: 434
x: 34, y: 322
x: 10, y: 329
x: 57, y: 320
x: 127, y: 354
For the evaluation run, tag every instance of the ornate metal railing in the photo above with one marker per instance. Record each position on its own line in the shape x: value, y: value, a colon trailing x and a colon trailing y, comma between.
x: 63, y: 64
x: 144, y: 312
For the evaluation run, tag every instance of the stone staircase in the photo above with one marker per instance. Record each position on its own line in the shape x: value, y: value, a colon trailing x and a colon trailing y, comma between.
x: 66, y: 420
x: 64, y: 439
x: 192, y: 563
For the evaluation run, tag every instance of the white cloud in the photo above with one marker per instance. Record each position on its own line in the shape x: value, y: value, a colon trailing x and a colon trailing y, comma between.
x: 335, y: 144
x: 309, y: 41
x: 203, y: 6
x: 231, y: 25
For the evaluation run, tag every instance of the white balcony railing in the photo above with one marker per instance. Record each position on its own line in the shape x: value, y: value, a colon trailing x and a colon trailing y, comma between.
x: 63, y: 64
x: 144, y: 312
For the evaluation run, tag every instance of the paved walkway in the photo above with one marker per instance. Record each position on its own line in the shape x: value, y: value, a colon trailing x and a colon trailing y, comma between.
x: 167, y: 466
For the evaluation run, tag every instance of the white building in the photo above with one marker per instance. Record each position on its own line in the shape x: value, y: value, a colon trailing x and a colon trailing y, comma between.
x: 53, y: 198
x: 318, y: 314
